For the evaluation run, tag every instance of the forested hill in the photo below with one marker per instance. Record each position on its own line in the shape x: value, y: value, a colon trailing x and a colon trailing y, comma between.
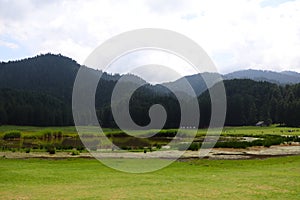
x: 51, y: 74
x: 249, y: 101
x: 51, y: 77
x: 38, y: 91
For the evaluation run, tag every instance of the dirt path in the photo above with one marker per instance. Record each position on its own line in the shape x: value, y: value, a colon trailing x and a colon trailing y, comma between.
x: 218, y: 153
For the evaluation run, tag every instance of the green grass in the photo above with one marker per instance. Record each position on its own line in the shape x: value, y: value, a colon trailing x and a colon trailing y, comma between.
x: 35, y: 128
x: 40, y: 131
x: 241, y: 130
x: 276, y: 178
x: 253, y: 130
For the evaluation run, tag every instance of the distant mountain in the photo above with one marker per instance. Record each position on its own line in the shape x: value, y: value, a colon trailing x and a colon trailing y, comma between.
x: 291, y: 73
x: 199, y: 82
x: 286, y: 77
x: 199, y: 85
x: 38, y: 91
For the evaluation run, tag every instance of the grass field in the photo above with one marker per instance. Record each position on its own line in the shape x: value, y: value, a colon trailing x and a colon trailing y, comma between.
x: 276, y: 178
x: 240, y: 130
x: 253, y: 130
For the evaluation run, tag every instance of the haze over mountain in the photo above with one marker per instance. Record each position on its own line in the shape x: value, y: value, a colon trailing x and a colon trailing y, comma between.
x: 285, y: 77
x: 199, y: 85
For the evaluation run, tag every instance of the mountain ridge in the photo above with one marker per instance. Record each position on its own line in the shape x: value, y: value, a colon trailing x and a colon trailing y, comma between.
x: 46, y: 76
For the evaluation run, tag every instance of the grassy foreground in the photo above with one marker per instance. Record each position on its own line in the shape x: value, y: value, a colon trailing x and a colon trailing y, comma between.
x: 276, y: 178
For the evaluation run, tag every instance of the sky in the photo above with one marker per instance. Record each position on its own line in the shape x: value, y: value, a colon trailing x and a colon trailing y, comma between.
x: 236, y: 34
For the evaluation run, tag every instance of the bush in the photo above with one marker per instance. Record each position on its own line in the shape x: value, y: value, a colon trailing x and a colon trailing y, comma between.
x: 51, y: 149
x: 59, y: 134
x: 75, y: 153
x: 27, y: 150
x: 267, y: 144
x: 267, y: 141
x: 56, y: 134
x: 80, y: 148
x: 47, y: 134
x: 233, y: 144
x: 166, y: 133
x: 194, y: 146
x: 12, y: 135
x: 257, y: 143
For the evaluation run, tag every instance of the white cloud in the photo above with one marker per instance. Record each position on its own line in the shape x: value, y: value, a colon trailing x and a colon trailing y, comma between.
x: 8, y: 44
x: 147, y: 63
x: 237, y: 34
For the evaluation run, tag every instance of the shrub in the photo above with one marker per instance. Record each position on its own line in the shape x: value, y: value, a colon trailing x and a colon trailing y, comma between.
x: 27, y: 150
x: 166, y: 133
x: 59, y: 134
x: 266, y: 141
x: 12, y: 135
x: 51, y: 149
x: 47, y: 134
x: 233, y: 144
x: 257, y: 143
x: 75, y: 153
x: 126, y: 148
x: 194, y: 146
x: 80, y: 148
x: 267, y: 144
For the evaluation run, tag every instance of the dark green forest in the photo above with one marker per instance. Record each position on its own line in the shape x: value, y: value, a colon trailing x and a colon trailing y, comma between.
x: 249, y: 101
x: 38, y: 91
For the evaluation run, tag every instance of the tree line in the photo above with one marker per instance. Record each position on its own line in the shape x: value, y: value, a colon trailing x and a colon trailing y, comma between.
x: 249, y: 101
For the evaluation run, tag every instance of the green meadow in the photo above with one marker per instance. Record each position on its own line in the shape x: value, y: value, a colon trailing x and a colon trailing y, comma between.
x: 78, y: 178
x: 239, y: 130
x: 274, y: 178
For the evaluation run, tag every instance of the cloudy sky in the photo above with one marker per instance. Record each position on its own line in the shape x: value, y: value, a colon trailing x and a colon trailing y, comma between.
x: 236, y: 34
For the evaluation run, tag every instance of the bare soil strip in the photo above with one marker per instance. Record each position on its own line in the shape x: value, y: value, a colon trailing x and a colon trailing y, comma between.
x: 217, y: 153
